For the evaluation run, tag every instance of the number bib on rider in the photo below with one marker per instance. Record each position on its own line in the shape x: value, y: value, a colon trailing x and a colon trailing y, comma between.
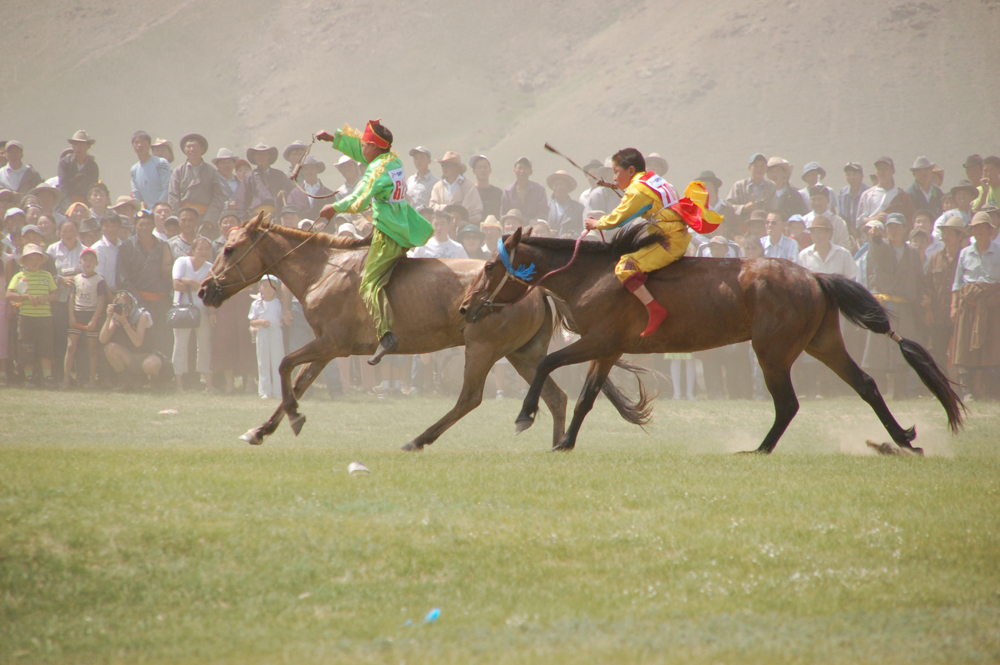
x: 662, y: 189
x: 398, y: 185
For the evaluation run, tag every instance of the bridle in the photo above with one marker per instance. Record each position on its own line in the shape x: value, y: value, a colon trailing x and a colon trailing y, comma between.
x: 522, y: 275
x: 267, y: 270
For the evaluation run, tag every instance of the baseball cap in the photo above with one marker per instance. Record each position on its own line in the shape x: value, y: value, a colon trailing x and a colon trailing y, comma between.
x: 419, y: 149
x: 885, y: 160
x: 853, y: 166
x: 754, y: 157
x: 895, y: 218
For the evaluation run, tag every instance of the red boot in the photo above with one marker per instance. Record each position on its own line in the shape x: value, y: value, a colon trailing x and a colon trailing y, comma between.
x: 657, y: 314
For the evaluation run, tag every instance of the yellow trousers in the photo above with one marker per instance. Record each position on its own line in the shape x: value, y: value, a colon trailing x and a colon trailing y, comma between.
x: 676, y: 239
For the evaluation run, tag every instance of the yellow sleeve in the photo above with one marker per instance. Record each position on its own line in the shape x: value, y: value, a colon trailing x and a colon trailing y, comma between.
x: 633, y: 205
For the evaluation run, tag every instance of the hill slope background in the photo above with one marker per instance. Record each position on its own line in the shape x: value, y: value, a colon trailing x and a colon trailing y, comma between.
x: 703, y: 84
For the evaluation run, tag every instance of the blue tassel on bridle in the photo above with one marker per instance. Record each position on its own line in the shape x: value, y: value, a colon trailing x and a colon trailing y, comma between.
x: 523, y: 272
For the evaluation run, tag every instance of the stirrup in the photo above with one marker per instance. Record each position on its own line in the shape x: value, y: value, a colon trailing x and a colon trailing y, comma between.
x: 388, y: 344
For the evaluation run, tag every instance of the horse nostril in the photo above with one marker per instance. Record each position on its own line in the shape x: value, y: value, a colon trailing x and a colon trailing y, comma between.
x: 463, y: 311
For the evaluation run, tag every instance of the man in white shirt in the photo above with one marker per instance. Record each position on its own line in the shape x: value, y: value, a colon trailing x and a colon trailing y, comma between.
x: 877, y: 202
x: 440, y: 246
x: 454, y: 187
x: 819, y: 204
x: 15, y: 175
x: 823, y: 256
x: 776, y: 244
x: 418, y: 185
x: 107, y: 249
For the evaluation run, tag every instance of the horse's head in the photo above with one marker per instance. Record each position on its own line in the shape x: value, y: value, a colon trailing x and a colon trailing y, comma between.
x: 501, y: 281
x: 239, y: 264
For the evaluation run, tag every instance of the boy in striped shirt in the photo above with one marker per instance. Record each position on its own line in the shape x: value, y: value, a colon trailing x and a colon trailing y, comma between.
x: 32, y: 290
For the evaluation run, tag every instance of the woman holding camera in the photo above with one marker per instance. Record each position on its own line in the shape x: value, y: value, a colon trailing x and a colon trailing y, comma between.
x: 126, y: 344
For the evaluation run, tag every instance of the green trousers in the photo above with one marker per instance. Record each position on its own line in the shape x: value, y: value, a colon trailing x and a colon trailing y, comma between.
x: 382, y: 258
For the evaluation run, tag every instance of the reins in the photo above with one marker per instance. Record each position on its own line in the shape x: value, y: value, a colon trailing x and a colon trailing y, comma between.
x: 298, y: 167
x: 246, y: 253
x: 509, y: 274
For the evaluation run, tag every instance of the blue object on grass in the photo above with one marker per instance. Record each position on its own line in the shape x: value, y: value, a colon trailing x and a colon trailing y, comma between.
x: 432, y: 616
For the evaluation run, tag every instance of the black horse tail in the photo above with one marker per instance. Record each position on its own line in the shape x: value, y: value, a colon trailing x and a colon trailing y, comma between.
x: 639, y: 411
x: 861, y: 308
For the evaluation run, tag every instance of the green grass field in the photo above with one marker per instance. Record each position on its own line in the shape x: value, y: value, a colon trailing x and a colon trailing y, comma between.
x: 132, y: 537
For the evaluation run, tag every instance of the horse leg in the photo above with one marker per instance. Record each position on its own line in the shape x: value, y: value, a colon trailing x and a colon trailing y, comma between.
x: 596, y: 375
x: 304, y: 379
x: 553, y: 396
x: 479, y: 358
x: 834, y: 355
x: 582, y: 350
x: 778, y: 379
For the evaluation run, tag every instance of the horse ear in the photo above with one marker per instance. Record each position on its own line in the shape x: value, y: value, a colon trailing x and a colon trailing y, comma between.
x: 514, y: 239
x: 527, y: 232
x: 254, y: 224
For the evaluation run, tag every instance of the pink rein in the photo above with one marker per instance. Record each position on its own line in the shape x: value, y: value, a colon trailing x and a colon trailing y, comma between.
x: 576, y: 251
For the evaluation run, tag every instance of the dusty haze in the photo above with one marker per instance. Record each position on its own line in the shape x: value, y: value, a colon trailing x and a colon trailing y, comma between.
x: 704, y: 84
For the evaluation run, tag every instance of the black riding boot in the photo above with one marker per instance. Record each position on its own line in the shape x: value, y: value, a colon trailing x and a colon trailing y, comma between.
x: 388, y: 344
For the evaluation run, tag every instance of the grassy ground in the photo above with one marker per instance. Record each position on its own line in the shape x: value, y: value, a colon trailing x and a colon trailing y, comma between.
x: 128, y: 536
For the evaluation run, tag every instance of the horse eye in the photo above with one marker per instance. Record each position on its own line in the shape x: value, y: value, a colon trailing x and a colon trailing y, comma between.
x: 227, y: 251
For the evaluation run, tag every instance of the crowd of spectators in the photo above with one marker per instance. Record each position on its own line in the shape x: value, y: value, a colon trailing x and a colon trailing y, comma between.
x: 91, y: 285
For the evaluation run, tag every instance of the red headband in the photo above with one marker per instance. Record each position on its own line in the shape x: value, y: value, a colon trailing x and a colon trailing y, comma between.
x: 371, y: 137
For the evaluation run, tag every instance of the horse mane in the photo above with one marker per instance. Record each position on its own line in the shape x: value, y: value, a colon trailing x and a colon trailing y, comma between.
x: 633, y: 238
x: 320, y: 238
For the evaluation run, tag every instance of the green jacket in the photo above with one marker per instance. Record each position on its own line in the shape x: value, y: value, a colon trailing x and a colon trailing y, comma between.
x: 383, y: 187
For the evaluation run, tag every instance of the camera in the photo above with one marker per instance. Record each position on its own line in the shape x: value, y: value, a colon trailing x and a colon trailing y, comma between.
x: 119, y: 308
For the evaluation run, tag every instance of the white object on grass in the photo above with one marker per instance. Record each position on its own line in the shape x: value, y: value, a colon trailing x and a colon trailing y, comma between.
x: 357, y: 467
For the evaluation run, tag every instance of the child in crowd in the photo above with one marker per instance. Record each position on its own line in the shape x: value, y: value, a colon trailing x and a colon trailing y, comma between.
x: 265, y: 324
x: 33, y: 289
x: 90, y: 296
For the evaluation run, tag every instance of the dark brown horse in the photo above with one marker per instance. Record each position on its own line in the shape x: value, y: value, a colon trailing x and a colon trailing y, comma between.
x: 782, y: 308
x: 323, y: 272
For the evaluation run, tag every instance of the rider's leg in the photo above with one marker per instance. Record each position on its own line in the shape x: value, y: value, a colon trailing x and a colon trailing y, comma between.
x: 632, y: 268
x: 381, y: 259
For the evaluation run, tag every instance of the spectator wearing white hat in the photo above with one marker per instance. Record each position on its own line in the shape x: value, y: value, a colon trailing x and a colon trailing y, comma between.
x: 924, y: 193
x: 598, y: 198
x: 225, y: 163
x: 565, y: 214
x: 151, y: 174
x: 454, y: 188
x: 78, y: 171
x: 311, y: 186
x: 351, y: 171
x: 419, y: 185
x: 16, y: 175
x: 786, y: 198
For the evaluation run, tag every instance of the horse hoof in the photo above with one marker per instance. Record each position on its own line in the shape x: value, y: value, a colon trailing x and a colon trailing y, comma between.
x: 252, y: 438
x: 413, y: 447
x: 522, y: 424
x: 752, y: 452
x: 562, y: 448
x: 296, y: 422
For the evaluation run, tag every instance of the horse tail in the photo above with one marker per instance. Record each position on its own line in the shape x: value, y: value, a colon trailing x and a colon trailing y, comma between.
x: 639, y: 411
x: 861, y: 308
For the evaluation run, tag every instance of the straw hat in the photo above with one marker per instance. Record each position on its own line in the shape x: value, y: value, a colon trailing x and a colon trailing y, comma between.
x: 224, y: 153
x: 978, y: 219
x: 821, y: 222
x: 451, y: 157
x: 292, y: 146
x: 82, y: 136
x: 30, y: 249
x: 48, y: 189
x: 491, y: 222
x: 966, y: 185
x: 655, y: 159
x: 561, y: 175
x: 126, y: 200
x: 164, y: 143
x: 513, y: 213
x: 312, y: 161
x: 272, y: 153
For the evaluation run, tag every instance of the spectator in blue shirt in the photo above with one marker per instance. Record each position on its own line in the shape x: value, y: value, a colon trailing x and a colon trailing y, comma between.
x: 150, y: 175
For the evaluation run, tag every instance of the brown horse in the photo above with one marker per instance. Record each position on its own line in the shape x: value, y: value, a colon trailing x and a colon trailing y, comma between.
x: 323, y: 272
x: 782, y: 308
